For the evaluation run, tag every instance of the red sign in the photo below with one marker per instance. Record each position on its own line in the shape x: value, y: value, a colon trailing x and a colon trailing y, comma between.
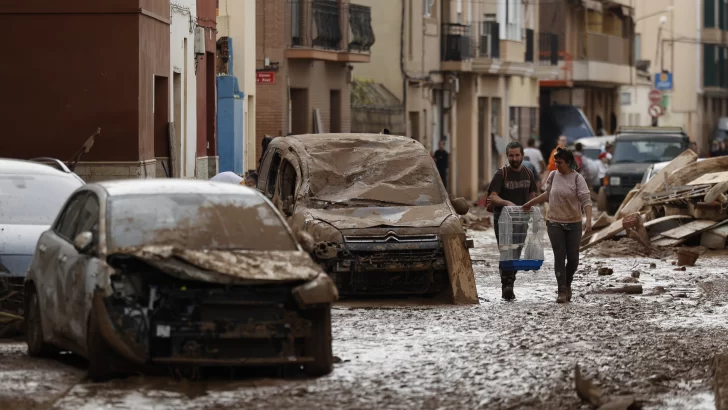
x: 655, y: 96
x: 265, y: 77
x: 656, y: 110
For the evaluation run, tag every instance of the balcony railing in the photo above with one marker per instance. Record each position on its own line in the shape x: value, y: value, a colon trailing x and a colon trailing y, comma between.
x: 489, y: 42
x: 605, y: 48
x: 331, y: 25
x: 548, y: 49
x: 456, y: 42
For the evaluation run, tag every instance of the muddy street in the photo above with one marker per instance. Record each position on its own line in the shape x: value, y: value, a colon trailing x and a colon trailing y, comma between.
x: 656, y: 346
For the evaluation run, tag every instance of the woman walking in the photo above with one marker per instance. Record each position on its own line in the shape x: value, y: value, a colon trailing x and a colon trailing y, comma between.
x: 568, y: 196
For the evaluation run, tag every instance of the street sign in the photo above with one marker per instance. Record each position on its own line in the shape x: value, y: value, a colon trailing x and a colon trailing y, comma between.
x: 656, y: 110
x: 655, y: 96
x: 663, y: 81
x: 265, y: 77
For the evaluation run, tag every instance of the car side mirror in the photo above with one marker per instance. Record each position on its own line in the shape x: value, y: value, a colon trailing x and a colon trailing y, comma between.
x: 461, y: 206
x: 83, y: 242
x: 306, y: 241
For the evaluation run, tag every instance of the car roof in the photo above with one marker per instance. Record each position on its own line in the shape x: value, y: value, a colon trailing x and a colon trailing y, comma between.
x: 172, y: 186
x: 595, y: 141
x: 21, y: 166
x: 314, y: 140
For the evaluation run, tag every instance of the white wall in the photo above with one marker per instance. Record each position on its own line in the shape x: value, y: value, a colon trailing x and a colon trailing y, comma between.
x: 236, y: 20
x: 185, y: 65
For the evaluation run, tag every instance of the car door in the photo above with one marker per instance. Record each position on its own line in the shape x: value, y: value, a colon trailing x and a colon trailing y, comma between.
x: 77, y: 270
x: 50, y: 245
x: 272, y: 176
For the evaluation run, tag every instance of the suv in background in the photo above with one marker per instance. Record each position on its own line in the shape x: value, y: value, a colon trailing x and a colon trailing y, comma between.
x: 636, y: 149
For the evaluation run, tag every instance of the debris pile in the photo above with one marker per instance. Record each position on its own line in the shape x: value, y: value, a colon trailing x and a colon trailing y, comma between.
x: 685, y: 203
x: 476, y: 222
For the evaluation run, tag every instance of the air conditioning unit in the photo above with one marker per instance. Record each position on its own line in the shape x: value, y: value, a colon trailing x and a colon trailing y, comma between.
x: 199, y: 40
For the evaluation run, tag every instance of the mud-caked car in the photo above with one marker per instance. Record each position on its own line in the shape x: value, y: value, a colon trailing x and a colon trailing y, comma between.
x: 179, y: 274
x: 381, y: 220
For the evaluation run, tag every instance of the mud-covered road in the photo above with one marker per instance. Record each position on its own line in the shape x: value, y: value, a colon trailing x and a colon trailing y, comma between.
x: 656, y: 346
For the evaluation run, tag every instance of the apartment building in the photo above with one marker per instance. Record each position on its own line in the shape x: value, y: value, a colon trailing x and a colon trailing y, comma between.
x: 713, y: 89
x: 98, y: 68
x: 304, y: 55
x: 492, y: 57
x: 596, y: 56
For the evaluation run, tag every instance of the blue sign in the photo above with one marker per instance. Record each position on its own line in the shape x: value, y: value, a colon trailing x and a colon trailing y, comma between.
x: 663, y: 81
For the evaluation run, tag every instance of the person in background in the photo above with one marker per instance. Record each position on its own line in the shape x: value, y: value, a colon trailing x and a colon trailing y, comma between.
x: 512, y: 185
x: 608, y: 152
x: 568, y: 196
x: 581, y: 162
x: 442, y: 161
x: 562, y: 145
x: 229, y: 177
x: 385, y: 131
x: 722, y: 151
x: 530, y: 165
x: 252, y: 180
x: 714, y: 149
x: 535, y: 156
x: 694, y: 147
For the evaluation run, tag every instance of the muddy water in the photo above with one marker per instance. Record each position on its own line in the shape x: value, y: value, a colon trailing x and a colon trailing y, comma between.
x: 497, y: 355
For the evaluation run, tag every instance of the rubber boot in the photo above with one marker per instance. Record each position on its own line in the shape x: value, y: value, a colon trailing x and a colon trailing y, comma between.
x: 568, y: 293
x: 563, y: 296
x: 507, y: 292
x: 507, y: 280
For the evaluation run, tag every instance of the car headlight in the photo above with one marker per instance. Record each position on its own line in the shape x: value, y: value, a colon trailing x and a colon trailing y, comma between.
x: 615, y: 181
x: 324, y: 232
x: 316, y: 292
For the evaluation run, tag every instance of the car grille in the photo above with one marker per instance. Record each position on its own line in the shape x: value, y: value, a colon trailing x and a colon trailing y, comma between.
x: 391, y: 237
x: 630, y: 180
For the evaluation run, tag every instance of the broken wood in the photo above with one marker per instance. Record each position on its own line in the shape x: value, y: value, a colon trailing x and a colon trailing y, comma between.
x: 657, y: 183
x: 711, y: 178
x: 690, y: 229
x: 627, y: 289
x: 603, y: 220
x: 607, y: 233
x: 715, y: 238
x: 702, y: 210
x: 658, y: 226
x: 716, y: 193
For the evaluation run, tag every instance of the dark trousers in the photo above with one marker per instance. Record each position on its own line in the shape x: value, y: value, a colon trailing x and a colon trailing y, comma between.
x: 507, y: 277
x: 443, y: 176
x: 565, y: 240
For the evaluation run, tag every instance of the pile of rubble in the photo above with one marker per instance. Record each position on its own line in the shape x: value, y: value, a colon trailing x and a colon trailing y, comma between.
x: 685, y: 203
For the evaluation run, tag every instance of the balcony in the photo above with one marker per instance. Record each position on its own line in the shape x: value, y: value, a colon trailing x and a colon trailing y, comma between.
x: 605, y: 48
x: 330, y: 30
x: 548, y: 49
x: 456, y: 47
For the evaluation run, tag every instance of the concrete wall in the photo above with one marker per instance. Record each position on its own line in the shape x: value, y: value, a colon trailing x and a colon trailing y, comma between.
x: 238, y: 20
x: 182, y: 61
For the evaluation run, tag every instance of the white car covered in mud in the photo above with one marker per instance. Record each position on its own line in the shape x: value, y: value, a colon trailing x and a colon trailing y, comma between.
x: 176, y: 273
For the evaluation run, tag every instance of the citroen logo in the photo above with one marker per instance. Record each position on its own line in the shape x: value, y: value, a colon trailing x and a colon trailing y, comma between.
x: 391, y: 237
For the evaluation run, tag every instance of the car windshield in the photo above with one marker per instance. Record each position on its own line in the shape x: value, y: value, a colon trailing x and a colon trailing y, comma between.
x: 571, y: 122
x: 196, y: 221
x: 33, y: 199
x: 378, y: 171
x: 648, y: 151
x: 592, y: 153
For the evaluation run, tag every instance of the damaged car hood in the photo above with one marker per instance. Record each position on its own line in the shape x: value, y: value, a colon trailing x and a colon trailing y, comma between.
x: 371, y: 217
x: 227, y: 267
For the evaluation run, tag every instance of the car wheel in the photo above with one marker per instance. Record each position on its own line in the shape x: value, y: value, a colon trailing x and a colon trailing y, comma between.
x: 37, y: 347
x: 602, y: 203
x: 318, y: 345
x: 101, y: 357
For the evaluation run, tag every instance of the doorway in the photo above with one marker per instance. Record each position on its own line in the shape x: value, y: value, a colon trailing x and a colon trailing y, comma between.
x: 299, y: 111
x: 176, y: 145
x: 335, y: 111
x: 414, y: 120
x: 161, y: 122
x: 210, y: 105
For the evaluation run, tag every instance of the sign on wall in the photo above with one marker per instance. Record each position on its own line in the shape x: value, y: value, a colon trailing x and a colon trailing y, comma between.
x: 663, y: 81
x: 265, y: 77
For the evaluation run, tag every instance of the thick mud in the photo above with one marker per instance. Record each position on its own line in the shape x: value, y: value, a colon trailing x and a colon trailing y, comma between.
x: 656, y: 346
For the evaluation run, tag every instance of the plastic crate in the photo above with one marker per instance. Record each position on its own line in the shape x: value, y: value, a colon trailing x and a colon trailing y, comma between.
x: 521, y: 239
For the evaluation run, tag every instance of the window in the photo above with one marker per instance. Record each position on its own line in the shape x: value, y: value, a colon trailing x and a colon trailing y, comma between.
x: 514, y: 20
x: 289, y: 182
x: 273, y: 174
x: 459, y: 11
x: 637, y: 46
x: 66, y: 225
x: 709, y: 13
x: 429, y: 7
x: 626, y: 98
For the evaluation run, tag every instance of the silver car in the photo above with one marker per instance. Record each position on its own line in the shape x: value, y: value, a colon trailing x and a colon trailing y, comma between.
x: 177, y: 273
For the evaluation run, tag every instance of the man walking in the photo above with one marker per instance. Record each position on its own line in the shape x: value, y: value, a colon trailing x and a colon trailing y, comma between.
x: 512, y: 185
x: 442, y: 161
x: 535, y: 156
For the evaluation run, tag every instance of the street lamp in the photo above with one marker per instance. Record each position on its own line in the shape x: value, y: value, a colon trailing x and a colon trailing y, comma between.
x: 663, y: 19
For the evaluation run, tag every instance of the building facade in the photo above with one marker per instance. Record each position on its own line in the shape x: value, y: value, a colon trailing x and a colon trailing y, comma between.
x: 596, y: 56
x: 206, y: 165
x: 237, y: 22
x: 304, y: 55
x: 100, y: 68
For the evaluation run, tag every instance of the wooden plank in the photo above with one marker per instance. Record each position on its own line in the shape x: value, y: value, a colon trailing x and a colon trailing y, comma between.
x: 715, y: 238
x: 663, y: 242
x: 656, y: 183
x: 602, y: 220
x: 711, y: 178
x: 692, y: 171
x: 609, y: 232
x: 666, y: 223
x: 689, y: 229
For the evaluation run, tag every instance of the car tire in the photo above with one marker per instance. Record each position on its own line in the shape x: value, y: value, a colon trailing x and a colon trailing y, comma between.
x: 101, y: 357
x: 602, y: 203
x: 37, y: 347
x: 318, y: 345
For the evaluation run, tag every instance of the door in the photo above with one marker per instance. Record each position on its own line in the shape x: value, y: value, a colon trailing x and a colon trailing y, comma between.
x: 272, y: 178
x: 299, y: 111
x: 335, y: 111
x: 51, y: 246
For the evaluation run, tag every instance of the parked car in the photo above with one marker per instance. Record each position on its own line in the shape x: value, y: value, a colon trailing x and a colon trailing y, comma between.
x: 176, y: 273
x: 380, y: 217
x: 636, y: 149
x: 593, y: 146
x: 655, y: 168
x: 562, y: 119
